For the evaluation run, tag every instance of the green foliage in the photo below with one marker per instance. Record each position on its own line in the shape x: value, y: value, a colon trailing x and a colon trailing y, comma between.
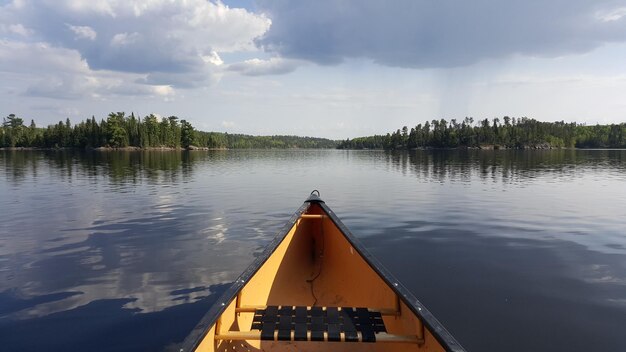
x: 242, y: 141
x: 117, y: 135
x: 13, y: 133
x: 119, y: 130
x: 514, y: 133
x: 187, y: 134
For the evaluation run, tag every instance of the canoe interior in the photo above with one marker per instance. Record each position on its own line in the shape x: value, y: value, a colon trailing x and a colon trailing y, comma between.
x: 315, y: 249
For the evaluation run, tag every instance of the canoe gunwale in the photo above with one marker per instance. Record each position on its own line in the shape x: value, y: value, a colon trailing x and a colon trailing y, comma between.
x: 434, y: 326
x: 193, y: 340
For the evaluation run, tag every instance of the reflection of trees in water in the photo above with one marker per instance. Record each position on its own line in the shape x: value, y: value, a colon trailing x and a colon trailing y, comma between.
x: 120, y: 167
x: 152, y: 167
x: 16, y: 165
x: 504, y: 165
x: 135, y: 167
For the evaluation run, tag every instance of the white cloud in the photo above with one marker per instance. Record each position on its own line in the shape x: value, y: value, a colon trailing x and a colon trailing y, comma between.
x: 46, y: 71
x: 228, y: 124
x: 19, y: 29
x: 586, y: 80
x: 83, y: 32
x: 204, y: 78
x: 165, y: 42
x: 258, y: 67
x: 122, y: 39
x: 612, y: 15
x: 104, y: 7
x: 63, y: 86
x: 163, y: 90
x: 16, y: 4
x: 38, y: 58
x: 213, y: 58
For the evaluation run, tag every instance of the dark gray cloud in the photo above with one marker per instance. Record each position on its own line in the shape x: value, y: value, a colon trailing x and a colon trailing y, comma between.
x: 428, y: 33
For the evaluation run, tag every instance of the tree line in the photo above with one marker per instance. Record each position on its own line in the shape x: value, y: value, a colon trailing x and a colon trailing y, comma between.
x: 119, y: 130
x: 244, y: 141
x: 520, y: 133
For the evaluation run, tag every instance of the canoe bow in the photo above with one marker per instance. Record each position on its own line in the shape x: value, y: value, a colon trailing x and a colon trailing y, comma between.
x: 349, y: 316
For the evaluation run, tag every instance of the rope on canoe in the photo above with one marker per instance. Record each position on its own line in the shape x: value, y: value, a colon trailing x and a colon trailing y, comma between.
x: 321, y: 256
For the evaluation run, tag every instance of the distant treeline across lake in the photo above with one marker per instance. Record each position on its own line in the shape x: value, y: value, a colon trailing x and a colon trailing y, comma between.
x: 521, y: 133
x: 119, y: 131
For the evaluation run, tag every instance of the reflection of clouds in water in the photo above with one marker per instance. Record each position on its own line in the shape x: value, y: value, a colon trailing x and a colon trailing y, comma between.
x: 259, y: 233
x: 151, y: 292
x: 602, y: 274
x: 216, y: 232
x: 155, y: 295
x: 79, y: 199
x: 618, y: 301
x: 125, y: 259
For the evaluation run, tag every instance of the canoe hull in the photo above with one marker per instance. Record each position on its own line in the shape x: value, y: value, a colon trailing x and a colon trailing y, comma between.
x: 316, y: 262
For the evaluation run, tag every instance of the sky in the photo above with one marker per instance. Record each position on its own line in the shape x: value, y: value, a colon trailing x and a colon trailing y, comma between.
x: 326, y: 68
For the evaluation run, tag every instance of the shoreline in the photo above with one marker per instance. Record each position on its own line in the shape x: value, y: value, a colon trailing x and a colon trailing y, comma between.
x: 194, y: 148
x: 107, y: 149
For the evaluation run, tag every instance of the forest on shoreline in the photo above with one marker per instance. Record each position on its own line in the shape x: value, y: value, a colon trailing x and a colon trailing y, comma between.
x: 121, y: 131
x: 508, y: 133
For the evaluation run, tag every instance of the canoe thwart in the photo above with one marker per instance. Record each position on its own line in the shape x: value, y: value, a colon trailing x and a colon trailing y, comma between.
x: 382, y: 311
x: 312, y: 216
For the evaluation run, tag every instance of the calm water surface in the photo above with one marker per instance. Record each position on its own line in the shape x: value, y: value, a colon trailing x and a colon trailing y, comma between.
x: 512, y: 251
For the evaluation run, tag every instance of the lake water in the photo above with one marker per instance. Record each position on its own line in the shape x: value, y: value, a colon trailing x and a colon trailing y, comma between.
x: 125, y: 251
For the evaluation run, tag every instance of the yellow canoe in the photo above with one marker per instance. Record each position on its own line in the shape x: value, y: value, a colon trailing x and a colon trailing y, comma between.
x: 315, y: 288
